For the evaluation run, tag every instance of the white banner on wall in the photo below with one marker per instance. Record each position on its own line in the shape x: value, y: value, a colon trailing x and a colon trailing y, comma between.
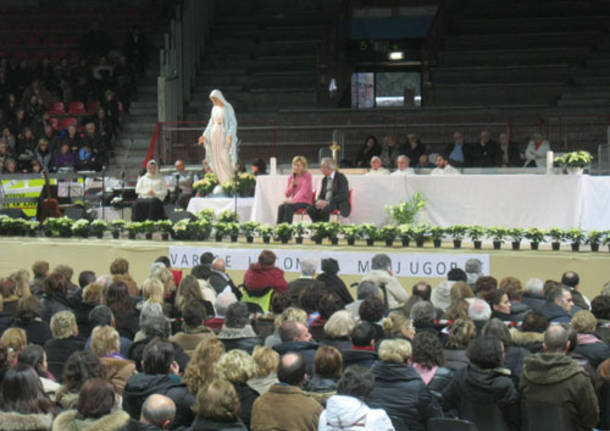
x: 350, y: 262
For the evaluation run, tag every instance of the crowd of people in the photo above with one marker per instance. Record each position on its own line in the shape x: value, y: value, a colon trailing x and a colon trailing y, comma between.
x: 485, y: 153
x: 198, y: 351
x: 35, y: 94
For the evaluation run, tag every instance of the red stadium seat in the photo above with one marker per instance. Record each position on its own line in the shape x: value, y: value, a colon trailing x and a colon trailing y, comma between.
x: 55, y: 123
x: 77, y: 108
x: 93, y: 106
x: 302, y: 212
x: 70, y: 121
x: 58, y: 108
x: 121, y: 109
x: 337, y: 214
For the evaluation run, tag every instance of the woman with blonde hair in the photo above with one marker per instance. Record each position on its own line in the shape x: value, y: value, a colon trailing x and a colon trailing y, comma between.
x: 338, y: 330
x: 15, y: 339
x: 461, y: 333
x: 152, y: 292
x: 189, y: 291
x: 267, y: 361
x: 398, y: 325
x: 218, y: 407
x: 299, y: 191
x: 105, y: 344
x: 458, y: 308
x: 237, y: 367
x: 22, y: 282
x: 65, y: 341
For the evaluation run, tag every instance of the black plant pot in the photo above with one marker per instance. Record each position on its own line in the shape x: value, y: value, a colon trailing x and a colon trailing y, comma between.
x: 334, y: 241
x: 575, y: 246
x: 351, y: 241
x: 148, y: 235
x: 419, y: 242
x: 249, y: 239
x: 99, y: 235
x: 389, y: 242
x: 516, y: 245
x: 234, y: 238
x: 534, y: 245
x: 33, y: 233
x: 437, y: 243
x: 266, y: 239
x: 131, y: 235
x: 370, y: 242
x: 218, y: 238
x: 299, y: 240
x: 497, y: 245
x: 555, y: 246
x: 285, y: 240
x: 84, y: 235
x: 595, y: 246
x: 457, y: 243
x: 165, y: 236
x: 477, y: 244
x: 115, y: 235
x: 317, y: 239
x: 405, y: 242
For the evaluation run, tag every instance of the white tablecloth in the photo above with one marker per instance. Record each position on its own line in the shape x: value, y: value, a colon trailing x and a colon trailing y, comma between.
x: 542, y: 201
x: 244, y: 206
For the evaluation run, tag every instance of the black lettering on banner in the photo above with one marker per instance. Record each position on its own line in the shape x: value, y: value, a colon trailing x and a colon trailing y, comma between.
x: 287, y: 263
x: 297, y: 265
x: 411, y: 269
x: 397, y: 272
x: 173, y: 258
x: 363, y: 267
x: 453, y: 265
x: 441, y: 268
x: 228, y: 261
x: 184, y: 261
x: 195, y: 259
x: 249, y: 260
x: 427, y: 268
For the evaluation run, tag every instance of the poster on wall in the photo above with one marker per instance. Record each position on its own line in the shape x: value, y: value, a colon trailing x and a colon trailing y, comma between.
x: 363, y: 90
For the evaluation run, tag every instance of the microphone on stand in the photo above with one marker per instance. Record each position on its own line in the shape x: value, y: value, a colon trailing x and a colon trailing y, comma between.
x: 294, y: 180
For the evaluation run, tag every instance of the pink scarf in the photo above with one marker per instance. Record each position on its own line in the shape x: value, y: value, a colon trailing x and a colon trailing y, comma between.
x: 426, y: 374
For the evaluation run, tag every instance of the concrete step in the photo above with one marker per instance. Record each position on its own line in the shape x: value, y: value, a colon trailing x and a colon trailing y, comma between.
x: 491, y: 74
x: 528, y: 25
x: 492, y: 94
x: 584, y: 92
x: 140, y: 143
x: 510, y: 9
x: 496, y: 57
x: 602, y: 80
x: 524, y: 41
x: 139, y: 127
x: 585, y: 102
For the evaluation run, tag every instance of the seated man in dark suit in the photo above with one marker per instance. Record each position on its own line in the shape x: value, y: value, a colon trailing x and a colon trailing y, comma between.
x: 334, y: 194
x: 459, y: 153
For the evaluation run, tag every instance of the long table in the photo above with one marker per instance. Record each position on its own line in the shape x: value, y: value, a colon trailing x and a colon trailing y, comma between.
x: 244, y: 206
x: 542, y: 201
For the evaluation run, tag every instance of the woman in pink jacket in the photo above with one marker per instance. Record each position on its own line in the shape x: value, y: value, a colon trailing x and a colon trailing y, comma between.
x: 298, y: 193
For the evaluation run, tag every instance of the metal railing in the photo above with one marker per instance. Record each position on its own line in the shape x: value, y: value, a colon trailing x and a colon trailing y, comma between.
x: 181, y: 56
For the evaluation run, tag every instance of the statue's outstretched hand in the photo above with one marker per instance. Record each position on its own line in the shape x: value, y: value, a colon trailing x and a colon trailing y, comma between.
x: 201, y: 140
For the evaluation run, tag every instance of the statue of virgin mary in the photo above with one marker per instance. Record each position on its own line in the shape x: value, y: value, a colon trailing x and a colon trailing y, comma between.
x: 220, y: 138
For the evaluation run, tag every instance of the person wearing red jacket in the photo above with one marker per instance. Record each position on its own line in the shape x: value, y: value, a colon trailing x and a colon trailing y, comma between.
x: 264, y: 274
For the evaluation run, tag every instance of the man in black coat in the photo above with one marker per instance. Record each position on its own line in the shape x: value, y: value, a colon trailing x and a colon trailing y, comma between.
x: 334, y: 194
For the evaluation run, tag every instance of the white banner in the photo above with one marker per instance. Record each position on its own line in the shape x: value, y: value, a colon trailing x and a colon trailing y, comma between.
x: 350, y: 262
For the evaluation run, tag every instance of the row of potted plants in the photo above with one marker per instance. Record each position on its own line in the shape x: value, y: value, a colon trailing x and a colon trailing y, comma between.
x: 206, y: 225
x: 242, y: 184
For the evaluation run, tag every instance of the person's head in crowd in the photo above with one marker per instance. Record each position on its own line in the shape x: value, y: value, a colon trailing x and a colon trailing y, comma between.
x: 188, y: 291
x: 40, y: 269
x: 206, y: 258
x: 219, y: 265
x: 534, y: 322
x: 55, y: 284
x: 85, y: 278
x: 8, y: 287
x: 423, y: 161
x: 101, y: 315
x: 498, y: 301
x: 95, y: 399
x: 66, y: 271
x: 382, y: 262
x: 105, y: 280
x: 407, y: 306
x: 479, y: 310
x: 28, y: 308
x: 357, y: 382
x: 105, y: 341
x: 202, y: 366
x: 259, y: 167
x: 309, y: 298
x: 427, y: 350
x: 164, y: 260
x: 34, y: 356
x: 458, y: 137
x: 166, y: 278
x: 223, y: 301
x: 159, y: 357
x: 328, y: 362
x: 309, y: 267
x: 441, y: 161
x: 600, y: 307
x: 329, y: 304
x: 584, y: 322
x: 423, y: 314
x: 371, y: 142
x: 237, y: 315
x: 22, y: 283
x: 266, y: 258
x: 294, y: 331
x: 279, y: 302
x: 193, y: 316
x: 152, y: 290
x: 291, y: 369
x: 548, y: 286
x: 330, y: 266
x: 402, y: 162
x: 153, y: 322
x: 366, y: 288
x: 291, y: 314
x: 485, y: 285
x: 36, y: 166
x: 63, y: 325
x: 605, y: 289
x: 460, y: 291
x: 158, y: 410
x: 266, y: 360
x: 237, y: 366
x: 473, y: 269
x: 152, y: 168
x: 556, y: 339
x: 340, y: 324
x: 486, y: 352
x: 218, y: 401
x: 327, y: 166
x: 117, y: 297
x: 398, y: 324
x: 512, y: 287
x: 375, y: 163
x: 397, y: 351
x: 561, y: 297
x: 22, y: 392
x: 570, y: 279
x: 179, y: 165
x: 363, y: 335
x: 80, y: 367
x: 423, y: 290
x: 15, y: 339
x: 119, y: 266
x: 201, y: 272
x: 496, y: 328
x: 534, y: 286
x: 372, y: 309
x: 460, y: 334
x: 457, y: 274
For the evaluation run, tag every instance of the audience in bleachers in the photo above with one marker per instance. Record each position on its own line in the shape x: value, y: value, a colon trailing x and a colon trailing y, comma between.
x: 421, y: 367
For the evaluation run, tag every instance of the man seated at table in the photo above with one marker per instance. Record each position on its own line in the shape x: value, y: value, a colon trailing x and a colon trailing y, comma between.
x: 151, y: 190
x: 424, y: 162
x: 443, y: 167
x: 459, y: 152
x: 184, y: 184
x: 484, y: 152
x: 376, y: 167
x: 402, y: 166
x: 334, y: 194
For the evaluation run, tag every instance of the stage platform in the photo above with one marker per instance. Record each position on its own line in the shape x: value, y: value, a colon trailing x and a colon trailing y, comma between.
x: 426, y: 263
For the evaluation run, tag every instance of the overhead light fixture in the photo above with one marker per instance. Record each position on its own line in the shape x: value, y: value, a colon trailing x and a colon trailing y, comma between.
x: 396, y: 55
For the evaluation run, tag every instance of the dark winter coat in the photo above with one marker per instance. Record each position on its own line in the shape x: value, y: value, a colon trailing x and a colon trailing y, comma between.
x: 555, y: 314
x: 141, y: 385
x: 37, y: 331
x: 364, y: 358
x: 51, y: 304
x: 534, y: 301
x: 334, y: 284
x: 305, y: 348
x: 204, y: 424
x: 456, y: 359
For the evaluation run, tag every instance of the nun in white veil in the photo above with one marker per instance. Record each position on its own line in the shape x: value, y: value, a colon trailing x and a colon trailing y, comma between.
x: 220, y: 138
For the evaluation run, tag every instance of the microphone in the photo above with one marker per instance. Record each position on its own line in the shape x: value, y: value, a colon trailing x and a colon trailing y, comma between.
x: 294, y: 180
